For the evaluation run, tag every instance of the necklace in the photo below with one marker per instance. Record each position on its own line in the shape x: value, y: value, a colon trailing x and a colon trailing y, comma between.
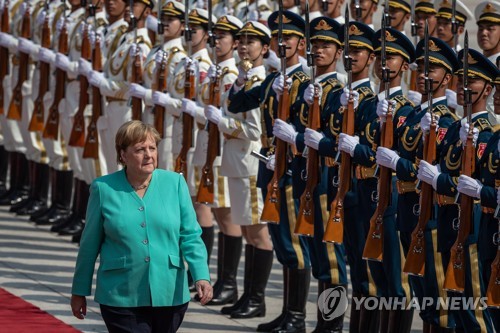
x: 140, y: 187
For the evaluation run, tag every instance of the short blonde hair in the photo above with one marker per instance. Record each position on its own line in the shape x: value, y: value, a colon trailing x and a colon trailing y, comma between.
x: 133, y: 132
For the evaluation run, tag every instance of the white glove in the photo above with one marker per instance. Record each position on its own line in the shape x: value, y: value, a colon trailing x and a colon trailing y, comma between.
x: 214, y: 72
x: 464, y: 131
x: 160, y: 98
x: 213, y: 114
x: 469, y: 186
x: 46, y: 55
x: 189, y: 107
x: 387, y: 157
x: 136, y: 90
x: 272, y: 60
x: 159, y: 56
x: 425, y: 122
x: 132, y: 51
x: 309, y: 93
x: 284, y: 131
x: 22, y: 8
x: 93, y: 37
x: 8, y: 41
x: 84, y: 67
x: 382, y: 108
x: 279, y: 83
x: 63, y: 62
x: 271, y: 163
x: 428, y: 173
x: 96, y: 79
x: 60, y: 24
x: 348, y: 143
x: 152, y: 23
x: 451, y: 98
x: 414, y: 96
x: 345, y: 96
x: 498, y: 197
x: 28, y: 47
x: 40, y: 19
x: 191, y: 64
x: 312, y: 138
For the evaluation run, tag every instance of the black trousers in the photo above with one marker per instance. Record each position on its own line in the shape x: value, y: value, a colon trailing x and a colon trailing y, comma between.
x: 146, y: 319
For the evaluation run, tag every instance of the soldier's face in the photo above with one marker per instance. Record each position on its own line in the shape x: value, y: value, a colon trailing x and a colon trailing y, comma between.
x: 395, y: 63
x: 332, y: 6
x: 293, y: 43
x: 141, y: 158
x: 361, y: 58
x: 250, y: 47
x: 138, y: 10
x: 287, y: 4
x: 368, y: 8
x: 398, y: 18
x: 477, y: 85
x: 172, y: 26
x: 325, y: 53
x: 198, y: 34
x: 496, y: 99
x: 115, y: 8
x: 436, y: 73
x: 488, y: 36
x: 224, y: 43
x: 74, y: 3
x: 420, y: 18
x: 444, y: 30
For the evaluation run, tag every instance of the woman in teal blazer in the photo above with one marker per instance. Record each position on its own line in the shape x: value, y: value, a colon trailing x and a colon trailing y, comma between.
x: 142, y: 225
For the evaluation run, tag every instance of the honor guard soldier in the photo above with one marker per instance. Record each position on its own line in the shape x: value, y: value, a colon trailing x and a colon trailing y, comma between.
x: 425, y: 11
x: 444, y: 27
x: 442, y: 63
x: 291, y: 250
x: 399, y: 11
x: 366, y: 11
x: 114, y: 82
x: 327, y: 259
x: 11, y: 128
x: 389, y: 280
x: 444, y: 177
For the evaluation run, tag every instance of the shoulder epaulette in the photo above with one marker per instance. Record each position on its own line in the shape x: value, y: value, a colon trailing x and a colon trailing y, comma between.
x: 443, y: 111
x: 335, y: 83
x: 142, y: 40
x: 482, y: 124
x: 496, y: 128
x: 101, y: 22
x: 123, y: 28
x: 174, y: 50
x: 301, y: 76
x: 402, y: 100
x: 365, y: 92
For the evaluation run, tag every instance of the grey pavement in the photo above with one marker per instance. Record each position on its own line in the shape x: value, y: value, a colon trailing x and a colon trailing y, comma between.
x: 37, y: 266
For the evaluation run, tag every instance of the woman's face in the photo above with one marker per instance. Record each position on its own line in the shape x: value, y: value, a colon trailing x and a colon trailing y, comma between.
x: 198, y: 34
x: 115, y: 8
x: 224, y: 43
x: 250, y: 47
x: 141, y: 158
x: 172, y: 27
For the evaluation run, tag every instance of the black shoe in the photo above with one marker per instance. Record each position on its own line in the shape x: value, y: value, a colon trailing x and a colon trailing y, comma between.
x: 33, y: 208
x: 63, y: 223
x: 14, y: 198
x: 59, y: 215
x: 21, y: 204
x: 61, y: 201
x: 72, y: 229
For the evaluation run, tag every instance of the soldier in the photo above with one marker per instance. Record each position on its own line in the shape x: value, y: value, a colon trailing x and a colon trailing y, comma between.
x: 333, y: 10
x: 387, y: 275
x: 425, y: 11
x: 444, y: 26
x: 399, y: 11
x: 444, y: 176
x: 291, y: 250
x: 368, y: 9
x: 442, y: 63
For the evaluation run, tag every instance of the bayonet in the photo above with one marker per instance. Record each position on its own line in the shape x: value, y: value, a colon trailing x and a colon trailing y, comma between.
x: 324, y: 6
x: 414, y: 25
x: 386, y: 14
x: 358, y: 10
x: 187, y: 30
x: 454, y: 24
x: 428, y: 80
x: 160, y: 29
x: 281, y: 45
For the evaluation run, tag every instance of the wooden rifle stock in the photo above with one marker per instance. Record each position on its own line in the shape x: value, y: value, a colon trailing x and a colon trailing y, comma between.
x: 77, y: 137
x: 51, y: 130
x: 159, y: 110
x: 91, y: 148
x: 335, y: 227
x: 4, y: 52
x: 413, y: 80
x: 493, y: 291
x: 305, y: 220
x: 37, y: 118
x: 16, y: 103
x: 206, y: 189
x: 415, y: 259
x: 374, y: 247
x: 187, y: 126
x: 271, y: 210
x: 137, y: 78
x: 455, y: 273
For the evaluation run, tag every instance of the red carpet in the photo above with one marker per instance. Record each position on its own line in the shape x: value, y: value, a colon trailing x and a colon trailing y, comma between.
x: 19, y: 316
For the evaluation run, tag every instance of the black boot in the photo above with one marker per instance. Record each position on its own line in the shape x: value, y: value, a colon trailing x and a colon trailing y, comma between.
x: 52, y: 183
x: 297, y: 290
x: 278, y: 321
x: 4, y: 166
x: 369, y: 320
x: 328, y: 326
x: 249, y: 249
x: 384, y: 320
x: 62, y: 200
x: 355, y: 314
x: 20, y: 183
x: 12, y: 178
x: 255, y: 305
x: 400, y: 321
x: 39, y: 191
x: 31, y: 181
x: 77, y: 223
x: 228, y: 258
x: 56, y: 227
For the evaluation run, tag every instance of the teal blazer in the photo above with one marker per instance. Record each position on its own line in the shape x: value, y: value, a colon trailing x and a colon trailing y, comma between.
x: 142, y: 243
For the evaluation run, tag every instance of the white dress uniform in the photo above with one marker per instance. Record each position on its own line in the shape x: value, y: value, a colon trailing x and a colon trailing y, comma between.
x: 242, y: 133
x: 11, y: 129
x: 117, y: 70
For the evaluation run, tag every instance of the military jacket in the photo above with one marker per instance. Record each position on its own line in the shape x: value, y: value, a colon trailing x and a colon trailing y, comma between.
x: 112, y: 36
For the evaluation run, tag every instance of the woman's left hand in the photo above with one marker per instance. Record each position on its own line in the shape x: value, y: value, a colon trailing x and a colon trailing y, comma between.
x: 204, y: 290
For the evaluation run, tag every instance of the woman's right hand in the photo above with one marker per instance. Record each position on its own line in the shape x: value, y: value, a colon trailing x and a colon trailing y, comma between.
x: 79, y: 306
x: 205, y: 292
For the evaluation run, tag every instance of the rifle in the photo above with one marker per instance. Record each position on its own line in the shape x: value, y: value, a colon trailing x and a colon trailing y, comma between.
x: 414, y: 27
x: 51, y: 130
x: 335, y: 227
x: 16, y: 102
x: 136, y: 74
x: 4, y: 52
x: 77, y: 137
x: 37, y: 118
x: 161, y: 79
x: 374, y: 246
x: 91, y: 149
x: 305, y: 220
x: 189, y: 93
x: 454, y: 30
x: 358, y: 10
x: 455, y: 273
x: 206, y: 189
x: 271, y: 210
x: 415, y: 259
x: 493, y: 291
